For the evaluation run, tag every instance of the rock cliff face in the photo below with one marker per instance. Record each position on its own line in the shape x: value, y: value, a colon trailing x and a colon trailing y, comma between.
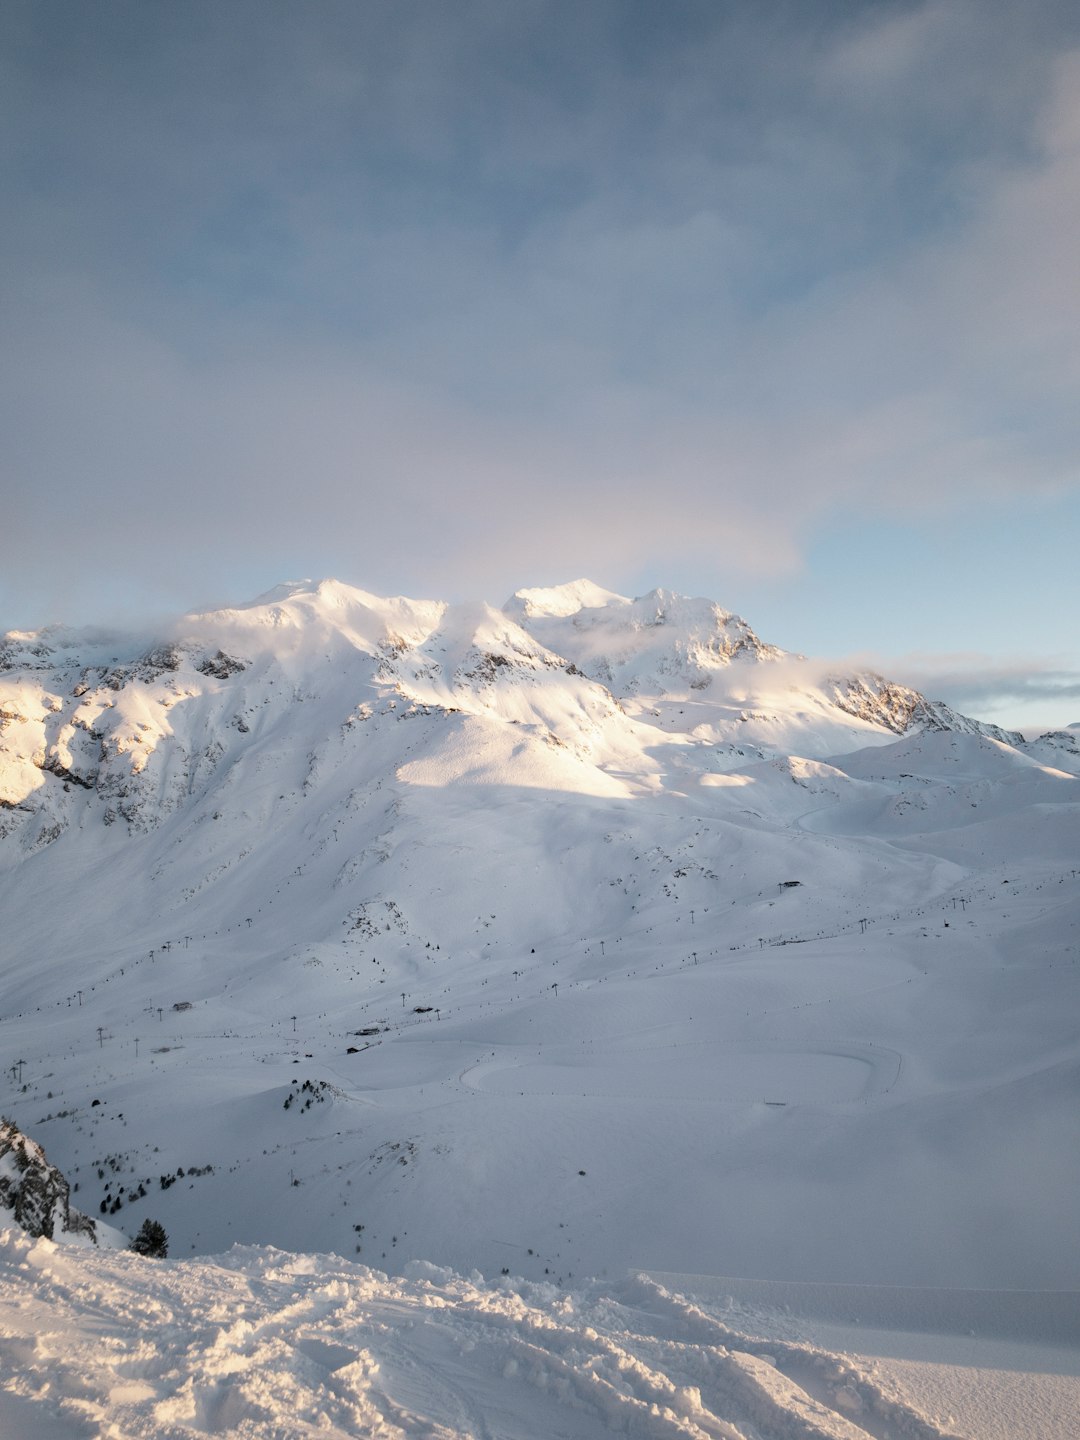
x: 900, y: 709
x: 34, y: 1192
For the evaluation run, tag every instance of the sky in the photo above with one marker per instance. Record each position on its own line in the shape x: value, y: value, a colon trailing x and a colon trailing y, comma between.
x: 773, y: 301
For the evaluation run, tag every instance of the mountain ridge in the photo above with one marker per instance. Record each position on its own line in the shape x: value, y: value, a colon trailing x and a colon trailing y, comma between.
x: 427, y: 652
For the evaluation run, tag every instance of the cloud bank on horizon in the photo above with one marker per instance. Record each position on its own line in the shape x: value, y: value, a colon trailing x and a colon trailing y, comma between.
x: 461, y: 298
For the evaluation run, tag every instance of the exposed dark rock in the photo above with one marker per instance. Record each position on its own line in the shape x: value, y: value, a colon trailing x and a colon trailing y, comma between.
x: 34, y: 1191
x: 221, y: 666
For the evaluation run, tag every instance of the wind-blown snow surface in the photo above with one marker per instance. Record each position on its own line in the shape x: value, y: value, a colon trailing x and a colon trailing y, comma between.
x: 506, y: 900
x: 273, y: 1346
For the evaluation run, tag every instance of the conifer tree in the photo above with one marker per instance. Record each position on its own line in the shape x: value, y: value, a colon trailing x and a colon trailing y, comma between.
x: 151, y: 1241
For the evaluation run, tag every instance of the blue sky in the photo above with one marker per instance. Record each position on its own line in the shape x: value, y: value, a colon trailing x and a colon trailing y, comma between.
x: 773, y: 302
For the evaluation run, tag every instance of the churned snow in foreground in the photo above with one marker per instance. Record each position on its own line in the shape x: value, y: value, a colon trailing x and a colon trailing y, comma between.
x: 268, y: 1345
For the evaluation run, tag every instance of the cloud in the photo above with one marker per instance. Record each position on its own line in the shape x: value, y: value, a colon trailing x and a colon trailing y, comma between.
x: 416, y: 293
x: 981, y: 681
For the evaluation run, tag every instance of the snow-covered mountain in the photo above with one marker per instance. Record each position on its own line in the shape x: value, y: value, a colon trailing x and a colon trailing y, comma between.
x: 575, y: 934
x: 579, y: 936
x: 148, y: 726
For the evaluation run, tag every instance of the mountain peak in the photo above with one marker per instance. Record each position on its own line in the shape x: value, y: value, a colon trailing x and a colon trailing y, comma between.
x: 660, y: 643
x: 560, y: 600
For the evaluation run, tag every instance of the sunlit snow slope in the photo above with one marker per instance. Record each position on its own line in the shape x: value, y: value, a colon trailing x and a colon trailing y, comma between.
x: 579, y: 934
x: 265, y: 1345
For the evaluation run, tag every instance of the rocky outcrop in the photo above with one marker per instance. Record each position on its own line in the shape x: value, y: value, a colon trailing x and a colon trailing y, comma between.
x: 900, y: 709
x: 35, y: 1192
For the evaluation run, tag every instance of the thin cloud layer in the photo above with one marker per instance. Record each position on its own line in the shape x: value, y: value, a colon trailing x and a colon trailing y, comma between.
x: 981, y: 685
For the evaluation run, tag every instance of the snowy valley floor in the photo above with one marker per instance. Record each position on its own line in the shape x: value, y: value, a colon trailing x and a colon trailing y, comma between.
x: 264, y: 1344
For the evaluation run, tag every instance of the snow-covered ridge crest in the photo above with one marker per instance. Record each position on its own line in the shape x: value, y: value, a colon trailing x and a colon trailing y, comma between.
x: 657, y: 643
x: 577, y: 677
x: 306, y: 609
x: 558, y: 600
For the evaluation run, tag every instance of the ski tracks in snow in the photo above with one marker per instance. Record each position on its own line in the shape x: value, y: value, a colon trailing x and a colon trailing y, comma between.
x: 265, y: 1345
